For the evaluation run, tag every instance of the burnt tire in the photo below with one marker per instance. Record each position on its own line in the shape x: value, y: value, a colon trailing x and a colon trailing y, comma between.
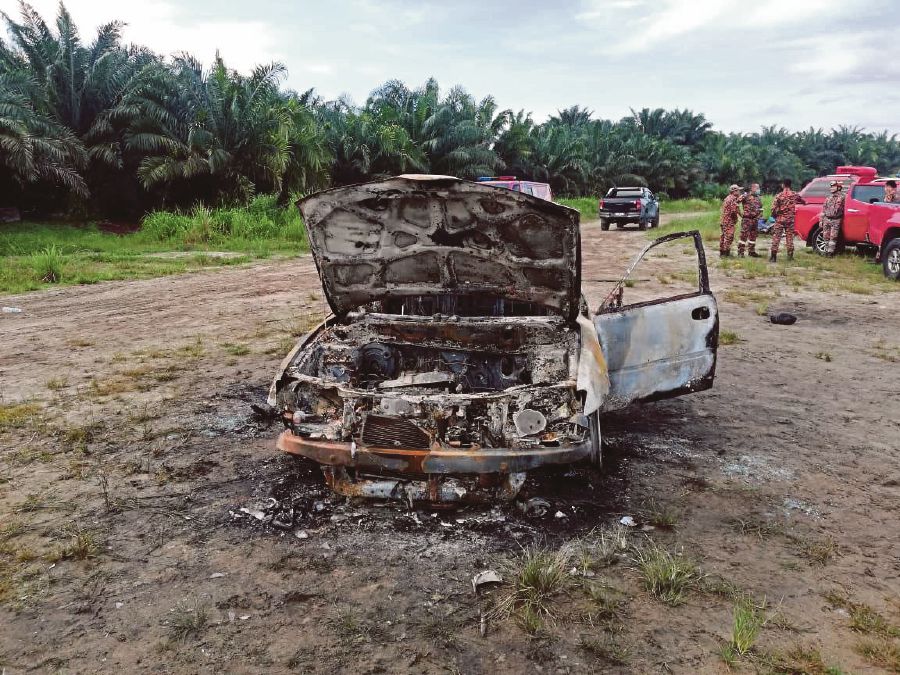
x: 604, y: 225
x: 890, y: 260
x: 596, y: 456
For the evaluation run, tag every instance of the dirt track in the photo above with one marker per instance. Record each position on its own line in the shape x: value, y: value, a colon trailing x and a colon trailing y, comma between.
x: 783, y: 478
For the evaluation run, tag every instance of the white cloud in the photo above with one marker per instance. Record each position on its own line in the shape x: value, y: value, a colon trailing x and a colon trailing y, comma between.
x: 168, y: 28
x: 319, y: 68
x: 639, y: 25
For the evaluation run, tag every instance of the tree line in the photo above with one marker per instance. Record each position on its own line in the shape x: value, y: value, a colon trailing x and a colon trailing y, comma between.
x: 105, y: 128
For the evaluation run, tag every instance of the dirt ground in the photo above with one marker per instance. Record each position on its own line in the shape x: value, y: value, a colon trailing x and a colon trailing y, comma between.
x: 123, y: 546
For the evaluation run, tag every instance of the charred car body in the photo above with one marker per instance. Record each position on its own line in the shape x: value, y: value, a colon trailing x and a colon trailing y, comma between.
x: 461, y: 353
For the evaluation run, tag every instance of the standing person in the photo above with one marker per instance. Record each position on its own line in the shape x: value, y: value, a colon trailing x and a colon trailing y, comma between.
x: 890, y: 192
x: 832, y: 216
x: 783, y: 210
x: 730, y: 213
x: 749, y: 221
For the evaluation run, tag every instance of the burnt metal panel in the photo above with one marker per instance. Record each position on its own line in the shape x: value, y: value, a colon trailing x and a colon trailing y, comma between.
x: 430, y: 235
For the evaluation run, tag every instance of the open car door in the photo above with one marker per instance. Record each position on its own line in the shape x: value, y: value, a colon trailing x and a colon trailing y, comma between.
x: 659, y: 348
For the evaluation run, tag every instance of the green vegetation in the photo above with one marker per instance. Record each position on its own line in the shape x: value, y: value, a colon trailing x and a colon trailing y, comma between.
x: 101, y: 127
x: 748, y: 621
x: 188, y: 619
x: 16, y: 415
x: 36, y: 254
x: 728, y: 337
x: 666, y: 575
x: 586, y: 206
x: 538, y: 576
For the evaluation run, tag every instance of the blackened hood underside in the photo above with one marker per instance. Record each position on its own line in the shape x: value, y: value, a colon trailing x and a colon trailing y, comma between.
x: 432, y: 235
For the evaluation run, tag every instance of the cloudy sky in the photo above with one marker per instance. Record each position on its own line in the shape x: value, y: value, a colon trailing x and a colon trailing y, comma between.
x: 795, y: 63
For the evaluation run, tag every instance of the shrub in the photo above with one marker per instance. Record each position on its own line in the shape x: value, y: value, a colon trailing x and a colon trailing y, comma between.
x: 47, y: 264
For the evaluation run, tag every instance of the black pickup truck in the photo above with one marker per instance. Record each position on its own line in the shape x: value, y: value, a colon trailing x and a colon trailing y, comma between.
x: 623, y: 205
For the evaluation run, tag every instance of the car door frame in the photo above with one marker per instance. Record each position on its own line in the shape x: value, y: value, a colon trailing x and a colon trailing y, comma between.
x: 856, y: 216
x: 681, y: 351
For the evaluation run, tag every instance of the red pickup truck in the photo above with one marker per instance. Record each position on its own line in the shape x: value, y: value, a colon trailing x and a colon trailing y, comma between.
x: 869, y: 223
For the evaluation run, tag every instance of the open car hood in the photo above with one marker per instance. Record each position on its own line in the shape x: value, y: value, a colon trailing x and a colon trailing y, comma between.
x: 432, y: 235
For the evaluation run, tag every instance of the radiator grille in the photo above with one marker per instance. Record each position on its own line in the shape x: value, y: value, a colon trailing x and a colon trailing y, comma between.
x: 391, y: 432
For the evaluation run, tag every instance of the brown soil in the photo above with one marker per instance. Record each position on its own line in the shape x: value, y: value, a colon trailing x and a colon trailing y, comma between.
x: 783, y: 479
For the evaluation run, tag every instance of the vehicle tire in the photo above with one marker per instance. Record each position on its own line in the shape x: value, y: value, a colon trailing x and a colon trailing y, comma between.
x: 890, y: 260
x: 596, y: 456
x: 817, y: 241
x: 604, y: 225
x: 642, y: 224
x: 655, y: 221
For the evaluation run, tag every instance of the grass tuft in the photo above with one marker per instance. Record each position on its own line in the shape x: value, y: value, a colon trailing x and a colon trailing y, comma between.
x: 187, y: 620
x: 47, y: 264
x: 538, y: 576
x: 604, y: 648
x: 748, y: 620
x: 667, y: 576
x: 17, y: 415
x: 728, y: 337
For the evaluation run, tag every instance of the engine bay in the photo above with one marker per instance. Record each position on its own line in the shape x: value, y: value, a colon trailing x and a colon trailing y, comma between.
x: 386, y: 380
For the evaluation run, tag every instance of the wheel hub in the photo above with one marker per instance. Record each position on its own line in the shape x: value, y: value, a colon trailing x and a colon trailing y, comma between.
x: 893, y: 261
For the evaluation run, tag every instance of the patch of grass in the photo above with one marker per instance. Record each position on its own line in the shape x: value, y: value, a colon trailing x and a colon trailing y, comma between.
x: 881, y: 653
x: 760, y: 529
x: 601, y: 548
x: 728, y: 337
x: 78, y: 436
x: 538, y: 575
x: 110, y: 386
x: 863, y: 618
x: 689, y: 205
x: 604, y: 648
x: 236, y: 349
x: 728, y: 655
x: 744, y: 298
x: 48, y: 264
x: 79, y: 342
x: 194, y: 349
x: 724, y: 588
x: 282, y: 347
x: 11, y: 529
x: 350, y: 626
x: 817, y: 552
x: 187, y: 619
x: 17, y: 415
x: 661, y: 516
x: 36, y: 254
x: 666, y: 575
x: 824, y: 356
x: 57, y: 383
x: 83, y: 545
x: 748, y: 619
x: 886, y: 352
x: 799, y: 660
x: 606, y: 604
x: 586, y: 206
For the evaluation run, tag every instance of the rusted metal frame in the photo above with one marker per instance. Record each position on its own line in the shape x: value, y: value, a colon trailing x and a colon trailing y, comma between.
x: 613, y: 300
x: 432, y: 489
x: 434, y: 461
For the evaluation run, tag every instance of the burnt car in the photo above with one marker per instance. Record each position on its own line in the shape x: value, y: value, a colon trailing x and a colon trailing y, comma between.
x: 461, y: 353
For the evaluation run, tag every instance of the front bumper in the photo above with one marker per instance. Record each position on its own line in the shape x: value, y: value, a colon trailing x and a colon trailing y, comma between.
x: 436, y: 460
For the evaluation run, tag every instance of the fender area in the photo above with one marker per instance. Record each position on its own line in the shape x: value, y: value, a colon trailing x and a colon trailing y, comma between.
x: 889, y: 235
